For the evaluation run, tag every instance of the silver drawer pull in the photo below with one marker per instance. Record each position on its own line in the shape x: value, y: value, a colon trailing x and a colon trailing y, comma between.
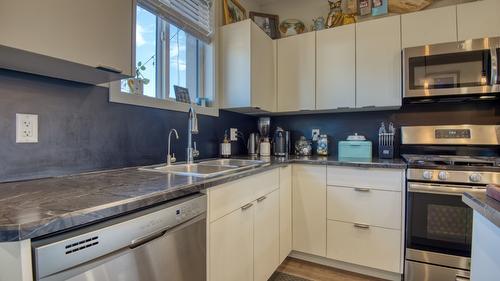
x: 109, y: 68
x: 361, y: 225
x: 261, y: 199
x: 461, y: 278
x: 361, y: 189
x: 247, y: 206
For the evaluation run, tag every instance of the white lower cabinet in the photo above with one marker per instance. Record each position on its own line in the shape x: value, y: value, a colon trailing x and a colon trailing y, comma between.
x: 366, y: 217
x: 327, y: 212
x: 285, y: 212
x: 232, y: 247
x: 244, y: 240
x: 266, y: 236
x: 369, y: 246
x: 309, y: 209
x: 373, y: 207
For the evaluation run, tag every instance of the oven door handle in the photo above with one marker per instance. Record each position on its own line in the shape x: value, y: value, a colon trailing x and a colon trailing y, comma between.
x: 494, y: 66
x: 456, y: 190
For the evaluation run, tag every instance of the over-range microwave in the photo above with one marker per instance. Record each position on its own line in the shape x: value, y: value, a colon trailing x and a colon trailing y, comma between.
x: 465, y: 68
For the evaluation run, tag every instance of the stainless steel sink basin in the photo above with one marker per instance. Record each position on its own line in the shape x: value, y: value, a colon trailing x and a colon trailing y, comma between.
x: 234, y: 162
x: 207, y: 169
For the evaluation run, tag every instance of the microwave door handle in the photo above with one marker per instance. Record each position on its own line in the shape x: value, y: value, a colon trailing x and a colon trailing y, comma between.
x: 494, y: 66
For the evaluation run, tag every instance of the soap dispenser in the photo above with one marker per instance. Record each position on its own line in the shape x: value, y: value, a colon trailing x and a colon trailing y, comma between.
x: 225, y: 147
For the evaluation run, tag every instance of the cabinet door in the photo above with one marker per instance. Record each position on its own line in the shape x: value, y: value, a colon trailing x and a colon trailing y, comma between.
x: 266, y: 233
x: 478, y: 19
x: 296, y: 72
x: 91, y: 32
x: 285, y: 212
x: 309, y: 209
x: 231, y: 246
x: 235, y: 59
x: 378, y: 63
x: 263, y: 81
x: 370, y: 246
x: 429, y: 27
x: 366, y: 206
x: 335, y: 67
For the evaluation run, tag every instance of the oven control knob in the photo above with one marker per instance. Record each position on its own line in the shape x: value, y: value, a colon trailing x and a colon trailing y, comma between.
x: 475, y: 177
x: 443, y: 175
x: 427, y: 175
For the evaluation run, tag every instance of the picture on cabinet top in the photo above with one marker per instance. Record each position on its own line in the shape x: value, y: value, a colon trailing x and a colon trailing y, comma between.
x: 268, y: 23
x: 344, y: 12
x: 233, y: 12
x: 410, y: 6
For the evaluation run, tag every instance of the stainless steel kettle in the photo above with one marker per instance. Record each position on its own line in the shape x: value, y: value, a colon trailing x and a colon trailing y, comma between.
x: 253, y: 144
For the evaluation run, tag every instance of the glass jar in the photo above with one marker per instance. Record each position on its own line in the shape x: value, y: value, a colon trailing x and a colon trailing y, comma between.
x: 303, y: 147
x: 322, y: 148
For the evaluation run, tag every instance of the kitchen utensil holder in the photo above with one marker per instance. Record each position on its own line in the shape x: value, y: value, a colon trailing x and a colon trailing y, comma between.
x: 386, y: 145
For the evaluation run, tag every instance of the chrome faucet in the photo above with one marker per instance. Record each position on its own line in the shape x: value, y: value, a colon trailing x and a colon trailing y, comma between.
x: 171, y: 157
x: 192, y: 129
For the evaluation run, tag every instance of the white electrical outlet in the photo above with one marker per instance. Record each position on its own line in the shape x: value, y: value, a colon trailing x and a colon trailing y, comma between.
x: 232, y: 134
x: 26, y: 128
x: 315, y: 134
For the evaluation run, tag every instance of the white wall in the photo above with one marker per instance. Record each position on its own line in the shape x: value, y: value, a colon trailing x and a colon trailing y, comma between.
x: 305, y: 11
x: 250, y: 5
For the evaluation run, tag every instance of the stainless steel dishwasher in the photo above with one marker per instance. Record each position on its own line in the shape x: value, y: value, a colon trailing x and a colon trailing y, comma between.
x: 166, y: 242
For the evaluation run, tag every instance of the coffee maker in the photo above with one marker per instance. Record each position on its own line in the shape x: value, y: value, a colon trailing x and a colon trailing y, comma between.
x: 264, y: 126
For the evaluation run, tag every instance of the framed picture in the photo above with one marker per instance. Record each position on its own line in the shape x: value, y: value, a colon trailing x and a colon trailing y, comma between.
x: 268, y: 23
x: 182, y: 94
x: 233, y: 12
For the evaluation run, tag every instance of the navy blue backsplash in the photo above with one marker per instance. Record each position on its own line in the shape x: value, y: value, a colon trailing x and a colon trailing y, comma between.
x: 80, y: 130
x: 340, y: 125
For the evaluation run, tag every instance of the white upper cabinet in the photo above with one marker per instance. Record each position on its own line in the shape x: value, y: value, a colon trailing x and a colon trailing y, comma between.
x: 91, y: 33
x: 378, y: 63
x: 429, y: 27
x: 336, y: 68
x: 247, y: 67
x: 296, y: 75
x: 478, y: 19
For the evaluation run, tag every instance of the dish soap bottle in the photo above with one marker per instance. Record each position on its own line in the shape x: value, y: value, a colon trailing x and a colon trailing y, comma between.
x: 225, y: 147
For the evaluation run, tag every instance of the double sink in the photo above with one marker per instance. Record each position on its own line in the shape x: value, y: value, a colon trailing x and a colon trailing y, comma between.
x: 209, y: 168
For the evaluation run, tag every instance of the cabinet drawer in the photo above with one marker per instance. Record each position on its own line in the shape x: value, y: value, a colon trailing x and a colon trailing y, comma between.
x: 374, y: 207
x: 376, y: 178
x: 374, y: 247
x: 228, y: 197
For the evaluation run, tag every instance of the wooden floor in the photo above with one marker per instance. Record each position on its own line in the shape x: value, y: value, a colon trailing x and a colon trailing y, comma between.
x: 316, y: 272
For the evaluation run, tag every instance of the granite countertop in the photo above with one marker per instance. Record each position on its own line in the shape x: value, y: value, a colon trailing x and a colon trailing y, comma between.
x: 30, y: 209
x: 486, y: 206
x: 396, y: 163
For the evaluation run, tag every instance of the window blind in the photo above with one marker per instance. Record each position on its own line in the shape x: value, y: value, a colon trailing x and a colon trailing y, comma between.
x: 192, y: 16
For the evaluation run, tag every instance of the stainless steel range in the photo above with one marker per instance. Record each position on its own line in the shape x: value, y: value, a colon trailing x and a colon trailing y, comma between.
x: 443, y: 163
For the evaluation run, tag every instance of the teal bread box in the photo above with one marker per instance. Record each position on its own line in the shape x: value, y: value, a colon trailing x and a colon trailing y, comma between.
x: 355, y: 149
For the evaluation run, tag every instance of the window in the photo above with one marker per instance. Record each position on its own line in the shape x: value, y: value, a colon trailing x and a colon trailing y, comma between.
x: 167, y: 56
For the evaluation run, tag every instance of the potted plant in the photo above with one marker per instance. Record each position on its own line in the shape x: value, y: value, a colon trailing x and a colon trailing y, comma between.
x: 136, y: 84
